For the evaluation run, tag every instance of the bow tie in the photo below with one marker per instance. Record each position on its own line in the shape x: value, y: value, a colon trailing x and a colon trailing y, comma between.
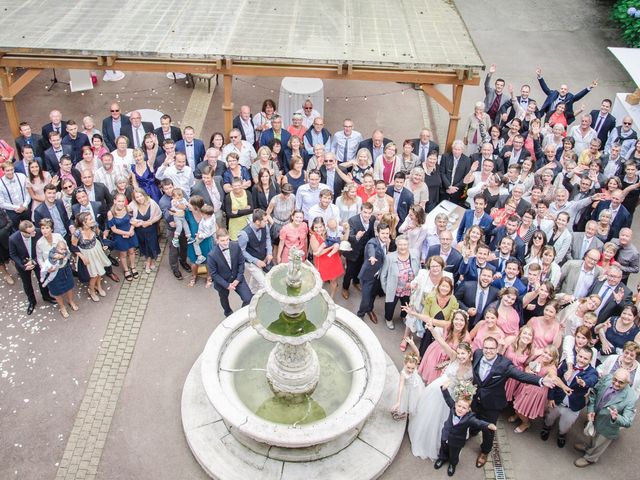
x: 189, y: 144
x: 224, y: 249
x: 578, y: 369
x: 58, y: 151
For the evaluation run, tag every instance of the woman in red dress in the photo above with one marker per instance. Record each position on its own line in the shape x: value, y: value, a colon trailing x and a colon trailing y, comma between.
x: 326, y: 256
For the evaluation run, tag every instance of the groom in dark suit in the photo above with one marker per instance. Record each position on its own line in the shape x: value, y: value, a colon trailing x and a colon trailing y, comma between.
x: 490, y: 373
x: 226, y: 267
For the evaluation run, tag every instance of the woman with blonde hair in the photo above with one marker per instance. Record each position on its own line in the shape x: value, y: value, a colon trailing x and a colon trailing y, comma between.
x: 477, y: 131
x: 362, y: 165
x: 388, y: 164
x: 145, y: 214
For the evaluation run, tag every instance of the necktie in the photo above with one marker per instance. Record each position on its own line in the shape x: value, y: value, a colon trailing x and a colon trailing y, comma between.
x: 486, y: 367
x: 480, y: 305
x: 137, y: 138
x: 599, y: 123
x: 585, y: 244
x: 453, y: 170
x: 606, y: 397
x: 345, y: 152
x: 501, y: 264
x: 423, y: 153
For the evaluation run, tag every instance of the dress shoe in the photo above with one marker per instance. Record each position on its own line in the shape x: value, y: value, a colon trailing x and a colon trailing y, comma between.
x: 372, y: 316
x: 451, y: 470
x: 582, y: 462
x: 345, y: 294
x: 114, y: 261
x: 177, y: 274
x: 562, y: 441
x: 30, y: 308
x: 438, y: 464
x: 50, y: 300
x: 544, y: 434
x: 114, y: 277
x: 481, y: 460
x: 581, y: 447
x: 357, y: 287
x: 185, y: 265
x: 390, y: 324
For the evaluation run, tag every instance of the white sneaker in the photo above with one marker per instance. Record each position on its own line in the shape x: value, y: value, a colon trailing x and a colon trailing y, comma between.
x: 390, y: 325
x: 191, y: 240
x: 200, y: 260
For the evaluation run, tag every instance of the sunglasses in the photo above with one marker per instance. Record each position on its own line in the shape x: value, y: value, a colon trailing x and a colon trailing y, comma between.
x: 114, y: 111
x: 234, y: 137
x: 627, y: 123
x: 308, y: 108
x: 68, y: 187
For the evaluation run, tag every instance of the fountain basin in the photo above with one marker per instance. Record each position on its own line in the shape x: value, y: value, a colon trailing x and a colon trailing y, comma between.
x: 364, y: 356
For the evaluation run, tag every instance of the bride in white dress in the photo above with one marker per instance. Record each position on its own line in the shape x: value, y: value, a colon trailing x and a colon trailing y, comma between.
x: 425, y: 425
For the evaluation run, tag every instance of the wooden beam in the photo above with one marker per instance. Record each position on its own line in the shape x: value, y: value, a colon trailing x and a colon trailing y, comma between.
x: 438, y: 96
x: 227, y: 105
x: 239, y: 68
x: 110, y: 60
x: 9, y: 102
x: 24, y: 80
x: 454, y: 116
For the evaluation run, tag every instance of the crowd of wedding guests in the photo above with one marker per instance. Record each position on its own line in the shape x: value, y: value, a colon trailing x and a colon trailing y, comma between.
x: 520, y: 303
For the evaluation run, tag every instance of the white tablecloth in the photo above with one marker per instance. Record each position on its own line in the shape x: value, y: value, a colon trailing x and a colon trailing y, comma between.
x: 293, y: 93
x: 621, y: 108
x: 453, y: 211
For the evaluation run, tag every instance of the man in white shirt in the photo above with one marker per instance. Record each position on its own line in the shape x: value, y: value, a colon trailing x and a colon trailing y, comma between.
x: 243, y: 148
x: 178, y: 171
x: 309, y: 194
x: 324, y: 208
x: 244, y: 123
x: 345, y: 143
x: 571, y: 208
x: 317, y: 135
x: 108, y: 173
x: 14, y: 197
x: 623, y: 135
x: 309, y: 114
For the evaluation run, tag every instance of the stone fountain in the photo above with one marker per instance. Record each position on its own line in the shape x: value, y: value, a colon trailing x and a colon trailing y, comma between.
x: 292, y: 386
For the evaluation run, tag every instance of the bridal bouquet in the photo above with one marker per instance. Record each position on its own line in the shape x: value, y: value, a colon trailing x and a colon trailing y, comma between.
x: 465, y: 389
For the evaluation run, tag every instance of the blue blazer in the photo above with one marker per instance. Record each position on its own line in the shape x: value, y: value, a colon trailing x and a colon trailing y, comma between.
x: 198, y: 149
x: 405, y: 202
x: 621, y: 220
x: 371, y: 249
x: 18, y: 165
x: 109, y: 135
x: 552, y: 95
x: 577, y: 400
x: 518, y: 285
x: 219, y: 269
x: 608, y: 125
x: 501, y: 232
x: 466, y: 293
x: 285, y: 136
x: 453, y: 260
x: 51, y: 163
x: 486, y: 224
x: 42, y: 211
x: 470, y: 269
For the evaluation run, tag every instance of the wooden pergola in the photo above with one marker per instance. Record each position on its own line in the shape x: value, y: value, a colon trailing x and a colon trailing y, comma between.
x: 354, y: 52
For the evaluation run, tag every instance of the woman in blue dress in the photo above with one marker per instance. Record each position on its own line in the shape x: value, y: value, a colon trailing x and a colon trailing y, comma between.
x: 143, y: 175
x: 193, y: 217
x: 145, y: 215
x: 124, y: 236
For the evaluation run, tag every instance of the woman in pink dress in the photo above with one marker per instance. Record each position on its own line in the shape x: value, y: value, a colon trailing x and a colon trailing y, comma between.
x: 546, y: 329
x: 519, y: 352
x: 487, y: 327
x: 293, y: 234
x: 531, y: 400
x: 508, y: 317
x: 436, y: 359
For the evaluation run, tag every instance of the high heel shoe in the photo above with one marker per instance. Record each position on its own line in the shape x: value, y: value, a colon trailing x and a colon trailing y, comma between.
x: 74, y: 307
x: 64, y: 313
x: 9, y: 279
x: 93, y: 296
x: 101, y: 292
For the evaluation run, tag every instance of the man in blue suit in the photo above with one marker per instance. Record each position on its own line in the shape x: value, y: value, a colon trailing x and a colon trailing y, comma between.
x: 476, y: 296
x: 53, y: 209
x: 55, y: 152
x: 509, y: 278
x: 476, y: 216
x: 566, y: 405
x: 510, y: 229
x: 112, y: 126
x: 276, y: 131
x: 374, y: 253
x: 192, y: 147
x: 620, y: 217
x: 602, y: 121
x: 470, y: 267
x: 452, y: 257
x: 226, y: 267
x: 402, y: 197
x: 560, y: 96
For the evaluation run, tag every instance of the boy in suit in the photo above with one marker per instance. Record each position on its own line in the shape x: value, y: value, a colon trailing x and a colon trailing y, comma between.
x: 455, y: 429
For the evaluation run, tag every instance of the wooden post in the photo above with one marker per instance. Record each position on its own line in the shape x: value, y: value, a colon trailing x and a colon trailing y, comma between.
x: 227, y: 105
x: 454, y: 116
x: 9, y: 102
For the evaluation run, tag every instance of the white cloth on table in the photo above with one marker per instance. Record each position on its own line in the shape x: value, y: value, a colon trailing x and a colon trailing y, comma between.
x: 293, y: 93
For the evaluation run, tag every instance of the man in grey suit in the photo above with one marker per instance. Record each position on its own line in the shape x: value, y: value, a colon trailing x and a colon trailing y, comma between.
x: 577, y: 276
x: 210, y: 188
x: 584, y: 241
x: 495, y: 97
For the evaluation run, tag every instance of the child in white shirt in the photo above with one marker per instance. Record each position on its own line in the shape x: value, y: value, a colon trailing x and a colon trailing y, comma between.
x: 206, y: 229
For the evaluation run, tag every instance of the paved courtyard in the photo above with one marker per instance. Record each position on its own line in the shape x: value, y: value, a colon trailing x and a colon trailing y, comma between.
x: 98, y: 395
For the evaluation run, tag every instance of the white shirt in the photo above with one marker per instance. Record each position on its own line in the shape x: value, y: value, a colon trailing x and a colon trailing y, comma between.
x: 206, y: 227
x: 181, y: 179
x: 247, y: 154
x: 247, y: 127
x: 109, y: 178
x: 137, y: 133
x: 13, y: 193
x: 338, y: 143
x: 307, y: 121
x: 307, y: 197
x: 123, y: 163
x: 332, y: 211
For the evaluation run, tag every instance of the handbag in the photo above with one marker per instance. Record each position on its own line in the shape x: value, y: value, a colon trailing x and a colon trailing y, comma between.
x: 589, y: 429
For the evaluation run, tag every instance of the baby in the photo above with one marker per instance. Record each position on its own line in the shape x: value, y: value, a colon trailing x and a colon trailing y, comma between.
x: 337, y: 233
x: 179, y: 206
x: 57, y: 258
x: 206, y: 229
